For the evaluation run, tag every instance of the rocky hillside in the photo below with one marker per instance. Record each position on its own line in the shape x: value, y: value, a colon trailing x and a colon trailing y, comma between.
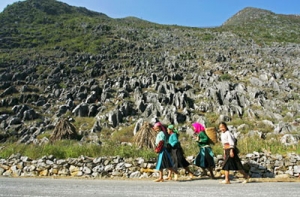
x: 59, y: 61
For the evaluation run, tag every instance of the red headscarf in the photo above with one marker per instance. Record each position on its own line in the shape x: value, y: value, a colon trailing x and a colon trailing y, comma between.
x: 198, y: 127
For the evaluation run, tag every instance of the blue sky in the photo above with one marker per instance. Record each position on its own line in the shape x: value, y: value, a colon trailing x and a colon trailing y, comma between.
x: 192, y: 13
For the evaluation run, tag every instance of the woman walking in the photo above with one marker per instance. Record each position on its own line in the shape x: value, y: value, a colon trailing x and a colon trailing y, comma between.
x: 176, y: 152
x: 164, y: 160
x: 205, y: 157
x: 231, y: 158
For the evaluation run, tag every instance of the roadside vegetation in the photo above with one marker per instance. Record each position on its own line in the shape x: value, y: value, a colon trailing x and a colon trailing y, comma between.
x: 121, y: 145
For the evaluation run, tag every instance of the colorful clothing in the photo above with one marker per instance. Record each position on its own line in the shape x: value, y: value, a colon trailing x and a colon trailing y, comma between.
x: 177, y: 153
x: 164, y: 159
x: 205, y: 157
x: 159, y: 137
x: 230, y: 163
x: 163, y: 129
x: 198, y: 127
x: 227, y: 139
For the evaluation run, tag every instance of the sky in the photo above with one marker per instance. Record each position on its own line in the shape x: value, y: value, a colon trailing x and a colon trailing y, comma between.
x: 191, y: 13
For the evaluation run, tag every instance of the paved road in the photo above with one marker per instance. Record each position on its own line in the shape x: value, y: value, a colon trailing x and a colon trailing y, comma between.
x: 49, y: 187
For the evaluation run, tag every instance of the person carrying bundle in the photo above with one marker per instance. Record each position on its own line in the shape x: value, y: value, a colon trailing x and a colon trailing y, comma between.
x: 205, y: 157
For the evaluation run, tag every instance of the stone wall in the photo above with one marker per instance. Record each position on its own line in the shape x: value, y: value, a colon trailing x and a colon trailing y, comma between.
x: 259, y: 165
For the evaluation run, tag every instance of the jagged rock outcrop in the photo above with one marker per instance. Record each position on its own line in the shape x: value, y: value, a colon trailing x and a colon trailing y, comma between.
x: 129, y: 69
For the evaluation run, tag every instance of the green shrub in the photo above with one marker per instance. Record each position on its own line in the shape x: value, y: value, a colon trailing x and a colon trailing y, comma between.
x: 225, y: 77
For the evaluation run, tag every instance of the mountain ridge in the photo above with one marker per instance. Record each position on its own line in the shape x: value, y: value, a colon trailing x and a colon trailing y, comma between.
x: 51, y: 7
x: 250, y: 14
x: 54, y: 7
x: 119, y: 72
x: 19, y: 11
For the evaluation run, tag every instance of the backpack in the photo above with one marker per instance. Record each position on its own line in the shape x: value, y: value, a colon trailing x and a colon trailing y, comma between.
x: 234, y: 139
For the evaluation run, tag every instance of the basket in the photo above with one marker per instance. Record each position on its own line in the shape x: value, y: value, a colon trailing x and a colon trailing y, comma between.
x: 211, y: 133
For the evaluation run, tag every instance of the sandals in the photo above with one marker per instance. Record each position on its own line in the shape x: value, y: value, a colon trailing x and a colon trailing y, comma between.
x: 225, y: 182
x: 159, y: 180
x: 247, y: 179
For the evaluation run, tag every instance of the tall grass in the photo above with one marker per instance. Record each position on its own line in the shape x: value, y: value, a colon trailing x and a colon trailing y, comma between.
x: 272, y: 145
x: 73, y: 149
x: 246, y: 145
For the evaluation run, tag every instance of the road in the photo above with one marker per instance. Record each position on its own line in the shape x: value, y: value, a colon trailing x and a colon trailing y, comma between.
x: 50, y: 187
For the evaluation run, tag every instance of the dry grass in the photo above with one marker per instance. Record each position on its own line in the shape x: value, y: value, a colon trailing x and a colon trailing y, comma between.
x: 145, y: 137
x: 63, y: 130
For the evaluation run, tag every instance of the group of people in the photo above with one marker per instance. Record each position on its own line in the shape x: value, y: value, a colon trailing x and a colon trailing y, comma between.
x: 172, y: 157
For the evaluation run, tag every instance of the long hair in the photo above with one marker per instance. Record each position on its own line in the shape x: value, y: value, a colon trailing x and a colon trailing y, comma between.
x: 224, y: 124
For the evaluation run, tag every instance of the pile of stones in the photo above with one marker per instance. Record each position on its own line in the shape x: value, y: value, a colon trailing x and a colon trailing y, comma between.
x: 258, y: 164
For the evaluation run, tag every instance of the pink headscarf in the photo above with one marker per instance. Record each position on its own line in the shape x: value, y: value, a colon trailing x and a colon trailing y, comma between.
x: 158, y: 124
x: 198, y: 127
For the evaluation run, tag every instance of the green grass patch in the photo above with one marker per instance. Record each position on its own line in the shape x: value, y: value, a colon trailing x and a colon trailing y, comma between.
x: 125, y: 134
x: 73, y: 149
x: 271, y: 145
x: 83, y: 123
x: 225, y: 77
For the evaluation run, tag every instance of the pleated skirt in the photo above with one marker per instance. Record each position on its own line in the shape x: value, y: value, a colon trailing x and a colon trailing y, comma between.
x: 205, y: 158
x: 178, y: 158
x: 164, y: 160
x: 232, y: 163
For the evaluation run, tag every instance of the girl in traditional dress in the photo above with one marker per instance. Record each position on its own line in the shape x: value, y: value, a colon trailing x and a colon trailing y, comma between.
x: 176, y: 152
x: 205, y: 157
x: 231, y: 158
x: 164, y: 160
